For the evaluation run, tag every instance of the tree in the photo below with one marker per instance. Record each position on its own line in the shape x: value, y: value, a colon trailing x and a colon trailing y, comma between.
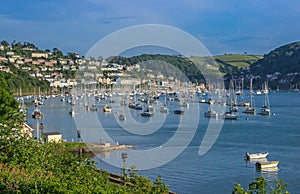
x: 8, y: 105
x: 4, y: 43
x: 259, y: 186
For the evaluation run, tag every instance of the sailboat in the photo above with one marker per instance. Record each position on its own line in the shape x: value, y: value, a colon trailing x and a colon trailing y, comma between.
x: 164, y: 108
x: 147, y: 112
x: 122, y: 116
x: 249, y: 109
x: 265, y: 109
x: 229, y: 115
x: 36, y: 114
x: 211, y: 113
x: 72, y: 112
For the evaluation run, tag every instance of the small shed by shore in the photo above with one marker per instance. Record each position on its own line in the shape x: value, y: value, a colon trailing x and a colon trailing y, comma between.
x: 52, y: 137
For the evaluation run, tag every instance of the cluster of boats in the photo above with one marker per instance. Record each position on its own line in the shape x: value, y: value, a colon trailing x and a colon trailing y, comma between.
x: 261, y: 162
x: 233, y: 106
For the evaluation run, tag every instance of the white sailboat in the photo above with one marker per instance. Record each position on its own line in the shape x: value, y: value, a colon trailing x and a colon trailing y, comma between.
x: 164, y: 108
x: 265, y: 109
x: 250, y: 109
x: 229, y: 114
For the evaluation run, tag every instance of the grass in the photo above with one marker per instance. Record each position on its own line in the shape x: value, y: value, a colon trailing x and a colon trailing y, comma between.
x: 75, y: 145
x: 239, y: 60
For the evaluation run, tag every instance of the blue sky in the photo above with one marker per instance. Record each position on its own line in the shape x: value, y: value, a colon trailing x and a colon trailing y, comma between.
x: 232, y: 26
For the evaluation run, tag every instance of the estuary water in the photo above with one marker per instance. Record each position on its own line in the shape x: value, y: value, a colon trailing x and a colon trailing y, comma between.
x: 223, y: 165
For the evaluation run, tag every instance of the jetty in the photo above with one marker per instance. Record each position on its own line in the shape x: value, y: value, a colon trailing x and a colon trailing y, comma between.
x: 93, y: 149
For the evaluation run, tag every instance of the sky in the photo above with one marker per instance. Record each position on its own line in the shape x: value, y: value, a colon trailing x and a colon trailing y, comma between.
x: 232, y: 26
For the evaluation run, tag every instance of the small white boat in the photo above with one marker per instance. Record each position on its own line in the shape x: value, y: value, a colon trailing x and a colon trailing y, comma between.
x: 185, y: 104
x: 106, y: 108
x: 93, y: 107
x: 234, y: 109
x: 211, y: 114
x: 249, y: 110
x: 138, y: 107
x: 146, y: 114
x: 229, y: 116
x: 150, y: 107
x: 266, y: 165
x: 256, y: 155
x: 265, y: 111
x: 202, y: 100
x: 164, y: 109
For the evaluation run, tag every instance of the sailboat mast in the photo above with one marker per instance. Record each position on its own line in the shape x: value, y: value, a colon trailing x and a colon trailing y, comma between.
x: 251, y: 103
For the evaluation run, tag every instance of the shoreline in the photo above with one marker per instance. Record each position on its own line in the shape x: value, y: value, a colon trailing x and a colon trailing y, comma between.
x: 92, y: 149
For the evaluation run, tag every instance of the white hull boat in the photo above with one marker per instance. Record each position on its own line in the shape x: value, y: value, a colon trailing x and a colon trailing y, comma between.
x: 256, y: 155
x: 266, y: 165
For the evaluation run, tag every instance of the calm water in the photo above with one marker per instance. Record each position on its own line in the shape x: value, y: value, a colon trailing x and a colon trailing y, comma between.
x: 223, y: 166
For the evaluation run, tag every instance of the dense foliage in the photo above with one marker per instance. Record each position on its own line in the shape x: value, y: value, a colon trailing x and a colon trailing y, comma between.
x: 30, y: 166
x: 285, y: 59
x: 19, y: 79
x: 260, y: 186
x: 285, y: 62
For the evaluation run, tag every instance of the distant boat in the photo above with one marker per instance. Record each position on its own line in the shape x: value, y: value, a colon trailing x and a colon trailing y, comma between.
x: 138, y: 107
x: 211, y: 114
x: 131, y: 105
x: 93, y: 107
x: 163, y: 109
x: 234, y: 109
x: 266, y: 165
x: 185, y: 104
x: 202, y: 100
x: 122, y: 117
x: 72, y: 112
x: 178, y: 112
x: 229, y: 116
x: 150, y: 107
x: 146, y: 114
x: 106, y: 108
x: 256, y: 155
x: 250, y: 109
x: 258, y: 92
x: 265, y: 109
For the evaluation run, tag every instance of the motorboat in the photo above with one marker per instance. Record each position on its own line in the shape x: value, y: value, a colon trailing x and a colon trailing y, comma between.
x: 266, y: 165
x: 106, y: 108
x: 256, y: 155
x: 211, y: 114
x: 249, y: 110
x: 164, y: 109
x: 146, y: 114
x: 178, y: 112
x: 229, y: 116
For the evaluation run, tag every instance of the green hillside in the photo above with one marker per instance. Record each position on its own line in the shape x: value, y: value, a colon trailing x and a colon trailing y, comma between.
x: 281, y: 66
x: 240, y: 61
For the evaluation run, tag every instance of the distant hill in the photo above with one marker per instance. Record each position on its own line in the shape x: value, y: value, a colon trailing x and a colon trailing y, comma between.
x: 281, y: 67
x: 240, y: 61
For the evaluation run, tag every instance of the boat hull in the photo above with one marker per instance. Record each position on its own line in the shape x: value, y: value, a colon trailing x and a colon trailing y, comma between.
x: 256, y: 155
x: 266, y: 165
